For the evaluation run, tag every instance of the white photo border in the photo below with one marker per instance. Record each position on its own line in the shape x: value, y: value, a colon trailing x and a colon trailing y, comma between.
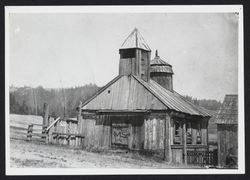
x: 129, y: 9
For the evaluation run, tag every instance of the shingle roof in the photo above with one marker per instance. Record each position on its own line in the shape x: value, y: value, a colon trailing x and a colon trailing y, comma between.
x: 165, y: 69
x: 228, y: 113
x: 135, y: 40
x: 159, y: 65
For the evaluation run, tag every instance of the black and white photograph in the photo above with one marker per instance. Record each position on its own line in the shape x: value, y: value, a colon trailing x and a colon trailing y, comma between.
x: 124, y: 90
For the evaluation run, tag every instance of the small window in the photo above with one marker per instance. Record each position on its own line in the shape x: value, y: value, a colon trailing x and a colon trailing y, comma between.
x: 189, y: 133
x: 177, y: 132
x: 198, y: 133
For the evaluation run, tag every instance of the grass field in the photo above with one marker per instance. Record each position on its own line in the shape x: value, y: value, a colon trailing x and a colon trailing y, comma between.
x: 19, y: 124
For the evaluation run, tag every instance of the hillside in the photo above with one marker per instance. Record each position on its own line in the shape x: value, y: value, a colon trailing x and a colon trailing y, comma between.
x: 27, y: 100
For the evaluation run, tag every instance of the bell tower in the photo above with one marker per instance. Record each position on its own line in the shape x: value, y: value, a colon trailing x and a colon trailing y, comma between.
x: 135, y: 56
x: 161, y: 72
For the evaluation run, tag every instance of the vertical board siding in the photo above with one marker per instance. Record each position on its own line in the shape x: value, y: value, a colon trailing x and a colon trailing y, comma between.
x: 96, y: 136
x: 227, y: 142
x: 125, y: 66
x: 136, y: 140
x: 154, y: 134
x: 125, y: 94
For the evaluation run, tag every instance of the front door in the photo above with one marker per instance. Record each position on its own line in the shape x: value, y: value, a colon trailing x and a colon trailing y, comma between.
x: 120, y: 135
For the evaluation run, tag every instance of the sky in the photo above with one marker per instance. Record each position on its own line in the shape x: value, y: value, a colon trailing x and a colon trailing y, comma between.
x: 67, y: 50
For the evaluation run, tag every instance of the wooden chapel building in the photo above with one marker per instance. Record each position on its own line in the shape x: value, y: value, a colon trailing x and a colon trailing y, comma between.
x: 139, y: 109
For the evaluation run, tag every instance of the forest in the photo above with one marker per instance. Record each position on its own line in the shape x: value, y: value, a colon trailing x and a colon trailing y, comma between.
x: 64, y: 101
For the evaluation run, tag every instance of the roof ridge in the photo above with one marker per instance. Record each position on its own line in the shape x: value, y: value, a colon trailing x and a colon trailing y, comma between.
x: 135, y: 40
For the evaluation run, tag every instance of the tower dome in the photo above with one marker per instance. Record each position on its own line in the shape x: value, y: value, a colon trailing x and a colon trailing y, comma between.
x: 161, y: 72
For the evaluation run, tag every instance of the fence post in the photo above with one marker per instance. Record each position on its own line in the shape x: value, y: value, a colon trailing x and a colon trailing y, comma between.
x: 79, y: 116
x: 45, y: 121
x: 30, y: 129
x: 45, y: 114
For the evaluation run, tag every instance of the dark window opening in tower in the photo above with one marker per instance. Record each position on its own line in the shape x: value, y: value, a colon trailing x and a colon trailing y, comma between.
x: 128, y: 53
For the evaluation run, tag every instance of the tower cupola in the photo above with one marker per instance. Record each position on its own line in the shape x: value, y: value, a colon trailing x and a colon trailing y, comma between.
x: 135, y: 56
x: 161, y: 72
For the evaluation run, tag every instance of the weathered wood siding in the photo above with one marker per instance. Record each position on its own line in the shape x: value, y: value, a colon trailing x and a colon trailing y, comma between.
x: 72, y: 127
x: 164, y: 79
x: 98, y: 132
x: 144, y: 57
x: 154, y: 134
x: 125, y: 94
x: 126, y: 66
x: 96, y: 136
x: 227, y: 142
x: 158, y: 134
x: 136, y: 138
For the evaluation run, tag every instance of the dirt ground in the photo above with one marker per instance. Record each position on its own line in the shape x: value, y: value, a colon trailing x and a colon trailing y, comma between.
x: 39, y: 155
x: 34, y: 154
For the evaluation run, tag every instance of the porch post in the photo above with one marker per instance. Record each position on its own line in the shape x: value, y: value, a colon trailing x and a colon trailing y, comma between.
x: 167, y: 140
x: 184, y: 141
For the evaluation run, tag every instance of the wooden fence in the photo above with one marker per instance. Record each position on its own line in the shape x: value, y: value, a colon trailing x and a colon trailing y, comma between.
x: 202, y: 158
x: 52, y: 133
x: 31, y: 133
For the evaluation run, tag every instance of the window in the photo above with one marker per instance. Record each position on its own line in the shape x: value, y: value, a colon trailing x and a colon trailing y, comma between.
x: 189, y: 133
x: 127, y: 53
x: 177, y: 132
x: 198, y: 133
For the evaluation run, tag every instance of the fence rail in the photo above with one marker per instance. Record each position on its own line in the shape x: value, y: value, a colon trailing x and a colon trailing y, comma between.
x: 30, y: 132
x: 202, y: 158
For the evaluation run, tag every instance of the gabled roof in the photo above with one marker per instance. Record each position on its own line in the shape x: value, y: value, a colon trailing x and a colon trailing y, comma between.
x: 135, y: 40
x: 132, y: 93
x: 228, y: 113
x: 173, y: 100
